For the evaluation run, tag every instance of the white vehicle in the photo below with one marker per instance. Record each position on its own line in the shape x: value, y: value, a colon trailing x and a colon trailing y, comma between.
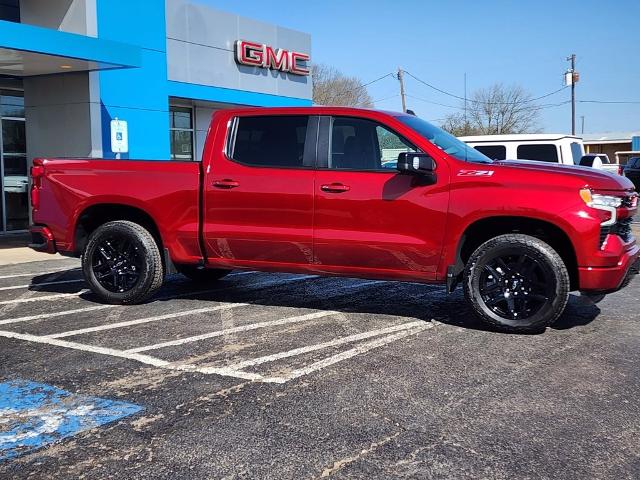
x: 600, y: 161
x: 546, y: 147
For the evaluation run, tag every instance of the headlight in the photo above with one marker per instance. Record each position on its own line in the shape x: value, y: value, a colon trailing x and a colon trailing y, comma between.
x: 596, y: 200
x: 608, y: 203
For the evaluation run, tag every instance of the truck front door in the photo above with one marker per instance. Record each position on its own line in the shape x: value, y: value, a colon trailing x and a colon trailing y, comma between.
x: 369, y: 218
x: 258, y: 192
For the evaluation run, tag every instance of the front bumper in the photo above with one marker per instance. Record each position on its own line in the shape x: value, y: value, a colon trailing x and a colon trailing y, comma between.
x: 610, y: 279
x: 42, y: 239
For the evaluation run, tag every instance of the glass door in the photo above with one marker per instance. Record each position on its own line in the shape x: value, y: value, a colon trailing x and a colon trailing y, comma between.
x: 15, y: 178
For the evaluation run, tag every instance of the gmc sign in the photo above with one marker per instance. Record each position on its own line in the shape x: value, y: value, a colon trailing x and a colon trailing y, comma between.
x: 264, y: 56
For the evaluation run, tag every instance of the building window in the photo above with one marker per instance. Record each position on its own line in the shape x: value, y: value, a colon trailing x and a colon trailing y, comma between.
x: 181, y: 131
x: 10, y: 10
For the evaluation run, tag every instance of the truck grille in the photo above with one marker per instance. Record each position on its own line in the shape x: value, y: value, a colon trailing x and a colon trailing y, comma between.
x: 622, y: 228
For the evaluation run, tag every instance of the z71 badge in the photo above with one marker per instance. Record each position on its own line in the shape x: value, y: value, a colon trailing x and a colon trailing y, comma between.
x: 475, y: 173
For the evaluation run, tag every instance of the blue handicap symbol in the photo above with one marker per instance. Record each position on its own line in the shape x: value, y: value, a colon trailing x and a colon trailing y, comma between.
x: 33, y: 415
x: 119, y: 136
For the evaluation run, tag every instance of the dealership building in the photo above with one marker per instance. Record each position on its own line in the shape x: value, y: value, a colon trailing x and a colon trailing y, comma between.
x: 134, y: 79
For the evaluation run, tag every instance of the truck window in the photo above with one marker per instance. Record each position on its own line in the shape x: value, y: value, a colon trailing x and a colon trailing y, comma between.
x: 358, y: 144
x: 576, y: 152
x: 541, y: 152
x: 494, y: 152
x: 270, y: 141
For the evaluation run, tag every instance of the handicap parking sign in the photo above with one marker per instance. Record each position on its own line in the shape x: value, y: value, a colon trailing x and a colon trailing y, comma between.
x: 119, y: 136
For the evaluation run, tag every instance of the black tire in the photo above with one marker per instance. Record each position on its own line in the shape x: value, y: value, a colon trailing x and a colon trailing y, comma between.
x: 517, y: 283
x: 122, y: 263
x: 202, y: 275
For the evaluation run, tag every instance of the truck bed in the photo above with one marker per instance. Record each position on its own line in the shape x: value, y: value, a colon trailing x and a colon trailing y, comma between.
x: 167, y: 191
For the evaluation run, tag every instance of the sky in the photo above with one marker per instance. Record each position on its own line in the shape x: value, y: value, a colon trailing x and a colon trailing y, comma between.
x: 513, y: 42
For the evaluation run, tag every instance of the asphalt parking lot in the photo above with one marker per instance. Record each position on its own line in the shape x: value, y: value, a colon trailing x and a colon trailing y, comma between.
x: 284, y: 376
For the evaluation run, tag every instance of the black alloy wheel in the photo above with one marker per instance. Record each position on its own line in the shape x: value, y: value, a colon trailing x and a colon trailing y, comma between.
x: 515, y: 286
x: 117, y: 263
x: 517, y: 283
x: 122, y: 263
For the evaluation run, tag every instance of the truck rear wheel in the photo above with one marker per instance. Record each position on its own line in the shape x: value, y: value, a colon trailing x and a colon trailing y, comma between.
x: 517, y: 283
x: 202, y: 275
x: 122, y: 263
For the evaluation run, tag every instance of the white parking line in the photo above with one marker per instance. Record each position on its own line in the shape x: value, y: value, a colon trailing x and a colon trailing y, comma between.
x: 54, y: 314
x: 140, y: 321
x: 320, y: 346
x: 360, y: 349
x: 40, y: 274
x: 57, y: 296
x: 156, y: 362
x: 242, y: 328
x: 42, y: 284
x: 43, y: 298
x: 166, y: 297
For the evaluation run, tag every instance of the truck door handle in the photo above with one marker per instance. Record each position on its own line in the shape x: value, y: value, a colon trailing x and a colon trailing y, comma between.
x: 335, y: 188
x: 226, y: 184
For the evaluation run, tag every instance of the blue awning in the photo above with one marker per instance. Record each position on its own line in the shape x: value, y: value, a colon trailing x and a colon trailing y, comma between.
x: 27, y: 50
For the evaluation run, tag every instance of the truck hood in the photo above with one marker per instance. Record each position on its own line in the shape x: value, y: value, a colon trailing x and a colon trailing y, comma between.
x: 596, y: 179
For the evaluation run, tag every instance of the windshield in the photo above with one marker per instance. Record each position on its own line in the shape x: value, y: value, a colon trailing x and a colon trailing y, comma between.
x: 443, y: 140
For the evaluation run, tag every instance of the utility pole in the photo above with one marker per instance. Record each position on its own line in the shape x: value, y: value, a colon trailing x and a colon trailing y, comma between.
x: 574, y: 78
x: 465, y: 105
x: 582, y: 130
x: 402, y: 94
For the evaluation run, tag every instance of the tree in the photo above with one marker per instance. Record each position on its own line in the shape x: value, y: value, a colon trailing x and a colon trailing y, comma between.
x: 459, y: 126
x: 496, y: 110
x: 331, y: 87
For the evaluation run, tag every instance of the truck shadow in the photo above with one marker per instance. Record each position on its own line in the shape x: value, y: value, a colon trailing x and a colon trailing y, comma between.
x: 393, y: 299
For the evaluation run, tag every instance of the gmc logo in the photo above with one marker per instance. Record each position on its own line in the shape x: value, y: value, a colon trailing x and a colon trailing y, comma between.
x: 264, y: 56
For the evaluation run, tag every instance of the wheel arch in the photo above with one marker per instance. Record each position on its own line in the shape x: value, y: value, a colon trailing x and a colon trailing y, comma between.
x: 98, y: 214
x: 481, y: 230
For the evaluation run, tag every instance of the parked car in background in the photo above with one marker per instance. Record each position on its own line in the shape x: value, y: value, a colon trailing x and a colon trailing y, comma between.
x: 563, y: 149
x: 600, y: 161
x: 632, y: 171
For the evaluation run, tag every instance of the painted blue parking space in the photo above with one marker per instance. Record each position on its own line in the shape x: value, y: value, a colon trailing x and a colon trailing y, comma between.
x: 33, y: 415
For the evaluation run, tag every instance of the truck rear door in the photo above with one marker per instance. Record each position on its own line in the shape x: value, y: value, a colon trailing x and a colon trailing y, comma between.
x: 258, y: 192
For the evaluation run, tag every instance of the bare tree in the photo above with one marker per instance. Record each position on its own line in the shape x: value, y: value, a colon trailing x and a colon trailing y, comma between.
x: 459, y: 126
x: 331, y: 87
x: 496, y: 110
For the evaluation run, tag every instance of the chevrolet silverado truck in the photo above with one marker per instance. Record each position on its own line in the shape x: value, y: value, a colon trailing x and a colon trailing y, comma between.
x: 304, y: 190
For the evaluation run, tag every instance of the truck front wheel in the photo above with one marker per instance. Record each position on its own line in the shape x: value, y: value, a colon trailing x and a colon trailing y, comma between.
x: 517, y: 283
x: 122, y: 263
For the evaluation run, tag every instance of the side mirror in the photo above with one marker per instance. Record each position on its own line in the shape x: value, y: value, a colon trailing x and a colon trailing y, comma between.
x: 416, y: 163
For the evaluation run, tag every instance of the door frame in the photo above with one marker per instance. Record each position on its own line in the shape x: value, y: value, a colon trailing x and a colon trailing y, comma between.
x: 4, y: 200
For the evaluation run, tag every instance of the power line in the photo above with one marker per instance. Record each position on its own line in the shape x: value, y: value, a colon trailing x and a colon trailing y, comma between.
x: 386, y: 98
x: 479, y: 101
x: 377, y: 80
x: 629, y: 102
x: 531, y: 107
x: 433, y: 103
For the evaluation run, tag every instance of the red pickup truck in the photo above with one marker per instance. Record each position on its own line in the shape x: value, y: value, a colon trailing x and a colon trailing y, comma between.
x: 343, y: 191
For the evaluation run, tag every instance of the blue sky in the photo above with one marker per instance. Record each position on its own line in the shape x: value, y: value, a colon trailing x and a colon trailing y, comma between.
x: 514, y: 42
